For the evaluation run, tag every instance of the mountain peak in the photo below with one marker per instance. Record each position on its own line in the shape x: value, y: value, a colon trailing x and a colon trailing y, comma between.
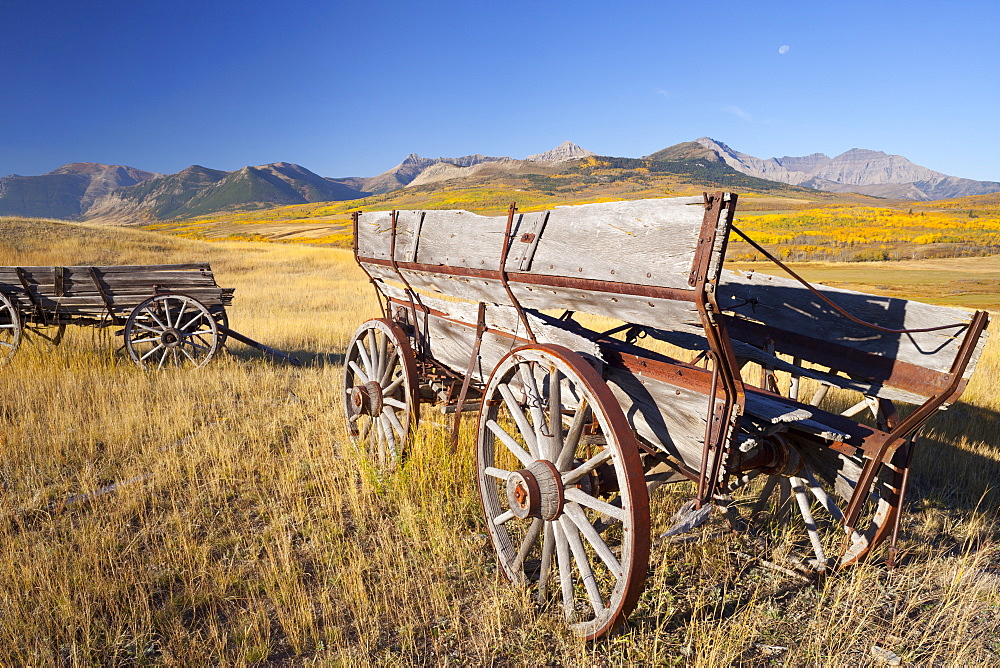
x: 565, y: 151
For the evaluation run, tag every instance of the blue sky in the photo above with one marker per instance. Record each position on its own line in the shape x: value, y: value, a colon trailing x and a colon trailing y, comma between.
x: 350, y: 88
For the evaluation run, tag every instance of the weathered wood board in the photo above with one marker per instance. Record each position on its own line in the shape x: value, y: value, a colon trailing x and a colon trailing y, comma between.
x: 783, y: 303
x: 658, y: 237
x: 73, y: 292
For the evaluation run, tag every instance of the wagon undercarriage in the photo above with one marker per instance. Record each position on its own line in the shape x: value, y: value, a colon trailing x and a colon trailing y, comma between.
x: 607, y: 354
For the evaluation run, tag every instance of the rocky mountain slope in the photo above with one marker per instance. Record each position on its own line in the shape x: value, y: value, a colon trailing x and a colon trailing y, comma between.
x: 65, y: 192
x: 859, y: 170
x: 198, y: 191
x: 565, y: 151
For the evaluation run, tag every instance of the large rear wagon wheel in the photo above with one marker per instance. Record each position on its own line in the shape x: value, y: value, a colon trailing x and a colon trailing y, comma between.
x: 562, y: 487
x: 10, y: 328
x: 381, y: 399
x: 171, y: 331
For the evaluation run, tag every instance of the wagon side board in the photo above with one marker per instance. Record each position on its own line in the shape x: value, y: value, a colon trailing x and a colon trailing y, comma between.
x: 85, y: 293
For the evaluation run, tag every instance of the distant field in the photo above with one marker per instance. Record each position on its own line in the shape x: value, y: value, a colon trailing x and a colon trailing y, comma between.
x: 245, y: 529
x: 972, y: 282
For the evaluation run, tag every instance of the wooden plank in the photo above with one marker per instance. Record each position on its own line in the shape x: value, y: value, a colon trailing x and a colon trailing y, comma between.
x: 499, y: 317
x: 671, y: 418
x: 588, y: 241
x: 661, y: 313
x: 785, y: 304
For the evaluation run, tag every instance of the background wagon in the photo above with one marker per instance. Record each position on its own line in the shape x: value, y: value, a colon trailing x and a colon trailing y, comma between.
x: 607, y: 353
x: 170, y: 314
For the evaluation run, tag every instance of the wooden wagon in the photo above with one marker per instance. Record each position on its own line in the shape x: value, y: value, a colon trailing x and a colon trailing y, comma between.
x: 169, y: 314
x: 608, y: 353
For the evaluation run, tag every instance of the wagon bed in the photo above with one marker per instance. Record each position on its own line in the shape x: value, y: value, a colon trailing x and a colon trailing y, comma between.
x: 579, y: 421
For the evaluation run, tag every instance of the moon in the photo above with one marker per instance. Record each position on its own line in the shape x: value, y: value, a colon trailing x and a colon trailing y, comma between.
x: 783, y: 49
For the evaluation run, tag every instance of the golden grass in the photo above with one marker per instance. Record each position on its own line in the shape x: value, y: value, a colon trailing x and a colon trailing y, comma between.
x: 245, y: 529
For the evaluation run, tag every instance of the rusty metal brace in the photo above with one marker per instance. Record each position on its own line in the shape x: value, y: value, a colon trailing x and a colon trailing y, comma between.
x: 480, y: 329
x: 418, y: 335
x: 721, y: 419
x: 503, y: 273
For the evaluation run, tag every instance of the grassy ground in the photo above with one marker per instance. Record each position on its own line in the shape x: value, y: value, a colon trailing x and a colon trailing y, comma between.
x: 242, y: 527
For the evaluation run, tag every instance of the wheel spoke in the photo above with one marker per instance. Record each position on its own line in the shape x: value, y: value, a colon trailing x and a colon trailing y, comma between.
x: 383, y: 349
x: 565, y: 571
x: 583, y: 565
x: 365, y: 360
x: 523, y: 426
x: 603, y: 507
x: 503, y: 518
x: 496, y: 473
x: 180, y: 314
x: 357, y: 370
x: 392, y: 365
x: 158, y: 346
x: 548, y: 547
x: 389, y: 438
x: 517, y: 564
x: 512, y: 445
x: 579, y: 518
x: 534, y: 401
x: 393, y: 419
x: 152, y: 315
x: 573, y: 435
x: 571, y: 477
x: 555, y: 413
x: 389, y: 389
x: 395, y: 403
x: 802, y: 499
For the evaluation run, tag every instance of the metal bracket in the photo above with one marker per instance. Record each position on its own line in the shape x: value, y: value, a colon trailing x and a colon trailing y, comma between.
x: 480, y: 329
x: 529, y: 228
x: 503, y: 273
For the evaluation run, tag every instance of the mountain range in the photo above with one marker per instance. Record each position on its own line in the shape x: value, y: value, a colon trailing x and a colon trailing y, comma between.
x: 115, y: 193
x: 859, y: 171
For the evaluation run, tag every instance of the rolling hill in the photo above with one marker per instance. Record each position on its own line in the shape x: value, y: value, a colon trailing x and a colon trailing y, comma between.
x: 66, y: 192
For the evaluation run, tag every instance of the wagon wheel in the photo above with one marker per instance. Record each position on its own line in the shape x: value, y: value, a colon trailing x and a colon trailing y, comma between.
x: 10, y: 328
x: 381, y: 397
x: 562, y: 486
x: 171, y: 330
x: 811, y: 494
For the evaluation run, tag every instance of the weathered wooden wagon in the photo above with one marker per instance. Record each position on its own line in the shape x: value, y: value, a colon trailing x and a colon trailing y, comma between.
x: 169, y: 314
x: 607, y: 353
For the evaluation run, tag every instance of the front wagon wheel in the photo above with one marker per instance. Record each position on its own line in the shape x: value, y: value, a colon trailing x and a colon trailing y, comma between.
x: 171, y: 331
x: 562, y: 487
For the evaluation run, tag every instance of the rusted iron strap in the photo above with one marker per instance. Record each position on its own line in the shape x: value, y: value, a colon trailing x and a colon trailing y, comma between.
x: 721, y: 420
x: 410, y: 294
x: 917, y: 418
x: 854, y: 362
x: 587, y: 284
x: 480, y: 330
x: 504, y: 251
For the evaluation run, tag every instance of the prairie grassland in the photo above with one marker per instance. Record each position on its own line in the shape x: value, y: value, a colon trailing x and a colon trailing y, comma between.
x: 243, y: 527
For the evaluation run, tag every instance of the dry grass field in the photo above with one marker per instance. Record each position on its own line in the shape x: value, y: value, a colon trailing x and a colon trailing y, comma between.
x: 221, y: 517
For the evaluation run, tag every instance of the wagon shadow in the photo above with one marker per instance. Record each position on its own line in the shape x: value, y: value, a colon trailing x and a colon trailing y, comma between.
x: 308, y: 358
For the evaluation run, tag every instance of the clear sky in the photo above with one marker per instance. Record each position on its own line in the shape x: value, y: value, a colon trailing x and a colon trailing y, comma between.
x: 350, y: 88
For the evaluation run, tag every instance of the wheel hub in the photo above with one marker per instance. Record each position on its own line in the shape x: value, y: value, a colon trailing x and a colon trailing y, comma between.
x: 536, y: 491
x: 171, y: 338
x: 366, y: 399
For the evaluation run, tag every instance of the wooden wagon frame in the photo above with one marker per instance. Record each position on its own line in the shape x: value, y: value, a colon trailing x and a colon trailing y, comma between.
x: 169, y: 314
x: 579, y: 423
